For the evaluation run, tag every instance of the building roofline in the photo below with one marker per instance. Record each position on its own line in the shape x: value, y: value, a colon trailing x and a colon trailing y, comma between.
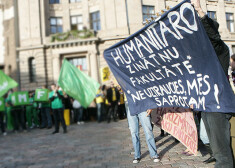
x: 59, y: 44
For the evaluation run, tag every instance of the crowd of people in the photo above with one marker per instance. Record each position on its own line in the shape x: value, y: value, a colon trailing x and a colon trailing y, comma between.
x: 106, y: 106
x: 110, y: 103
x: 215, y: 125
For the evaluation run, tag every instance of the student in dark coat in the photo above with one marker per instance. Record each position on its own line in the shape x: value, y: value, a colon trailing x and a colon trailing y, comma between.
x: 217, y: 124
x: 113, y: 97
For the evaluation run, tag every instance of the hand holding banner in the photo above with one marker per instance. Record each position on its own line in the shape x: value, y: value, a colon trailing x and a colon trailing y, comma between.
x: 178, y: 122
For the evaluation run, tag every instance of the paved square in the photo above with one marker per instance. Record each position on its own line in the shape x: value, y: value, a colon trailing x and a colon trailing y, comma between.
x: 92, y: 145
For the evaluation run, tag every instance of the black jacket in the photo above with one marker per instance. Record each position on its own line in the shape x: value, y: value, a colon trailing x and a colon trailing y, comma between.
x: 110, y: 95
x: 220, y: 47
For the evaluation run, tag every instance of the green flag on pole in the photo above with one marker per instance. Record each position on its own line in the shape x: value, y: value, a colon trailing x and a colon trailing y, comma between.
x: 77, y: 84
x: 6, y: 83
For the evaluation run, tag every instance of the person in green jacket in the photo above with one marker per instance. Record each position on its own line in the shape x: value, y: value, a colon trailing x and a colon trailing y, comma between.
x: 2, y: 115
x: 56, y: 98
x: 46, y: 113
x: 17, y: 113
x: 35, y: 112
x: 32, y: 112
x: 29, y: 109
x: 9, y: 119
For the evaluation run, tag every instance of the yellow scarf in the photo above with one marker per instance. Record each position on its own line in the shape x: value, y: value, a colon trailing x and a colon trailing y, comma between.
x: 114, y: 98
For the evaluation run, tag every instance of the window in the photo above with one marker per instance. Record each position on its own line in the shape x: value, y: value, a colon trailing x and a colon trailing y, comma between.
x: 95, y: 21
x: 147, y: 11
x: 56, y: 25
x: 230, y: 22
x: 72, y: 1
x: 212, y: 15
x: 54, y: 1
x: 79, y: 62
x: 32, y: 70
x: 76, y: 23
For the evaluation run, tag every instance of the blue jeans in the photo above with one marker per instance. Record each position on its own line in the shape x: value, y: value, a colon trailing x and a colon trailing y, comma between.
x: 133, y: 122
x: 203, y: 133
x: 80, y: 114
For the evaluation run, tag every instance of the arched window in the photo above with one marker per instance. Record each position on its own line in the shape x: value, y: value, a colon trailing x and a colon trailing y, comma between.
x: 32, y: 70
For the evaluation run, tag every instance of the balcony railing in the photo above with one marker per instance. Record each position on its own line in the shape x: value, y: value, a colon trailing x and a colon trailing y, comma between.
x: 72, y: 35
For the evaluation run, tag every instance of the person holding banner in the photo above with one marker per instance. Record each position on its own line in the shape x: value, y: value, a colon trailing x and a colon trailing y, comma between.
x: 18, y: 114
x: 2, y: 115
x: 100, y: 97
x: 232, y: 84
x: 46, y: 113
x: 133, y: 123
x: 32, y: 112
x: 107, y: 107
x: 217, y: 123
x: 113, y: 97
x: 56, y: 97
x: 29, y: 111
x: 78, y: 112
x: 67, y: 108
x: 121, y: 106
x: 8, y: 112
x: 35, y: 112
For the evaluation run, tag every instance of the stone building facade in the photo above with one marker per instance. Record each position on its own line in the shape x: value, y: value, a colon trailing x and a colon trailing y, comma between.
x: 8, y: 39
x: 40, y: 57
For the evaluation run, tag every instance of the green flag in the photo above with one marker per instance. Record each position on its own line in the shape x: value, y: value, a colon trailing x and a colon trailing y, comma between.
x: 77, y: 84
x: 6, y: 83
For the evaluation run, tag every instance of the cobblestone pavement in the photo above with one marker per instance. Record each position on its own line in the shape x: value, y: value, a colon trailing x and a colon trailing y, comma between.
x: 92, y: 145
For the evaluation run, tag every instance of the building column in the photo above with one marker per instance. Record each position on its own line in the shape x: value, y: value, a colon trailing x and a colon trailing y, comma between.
x: 66, y: 15
x: 134, y: 14
x: 85, y: 14
x: 221, y: 18
x: 102, y: 15
x: 56, y: 68
x: 93, y: 65
x: 24, y: 70
x: 40, y: 68
x: 43, y: 19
